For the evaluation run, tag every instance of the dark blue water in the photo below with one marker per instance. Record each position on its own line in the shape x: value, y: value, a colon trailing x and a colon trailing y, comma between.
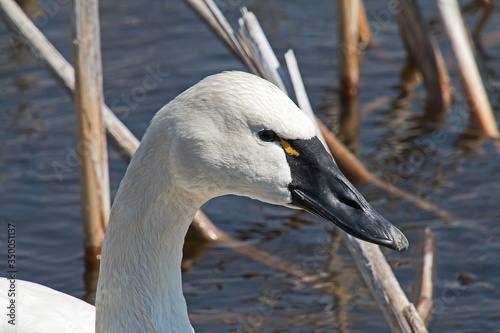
x: 225, y: 291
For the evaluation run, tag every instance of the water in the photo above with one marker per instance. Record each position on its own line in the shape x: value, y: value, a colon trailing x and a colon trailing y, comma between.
x: 225, y: 291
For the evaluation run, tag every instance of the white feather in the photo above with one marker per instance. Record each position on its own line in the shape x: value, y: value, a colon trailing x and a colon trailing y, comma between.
x: 41, y: 309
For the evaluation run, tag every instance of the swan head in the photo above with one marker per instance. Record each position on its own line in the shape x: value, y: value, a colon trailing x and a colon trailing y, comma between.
x: 235, y: 133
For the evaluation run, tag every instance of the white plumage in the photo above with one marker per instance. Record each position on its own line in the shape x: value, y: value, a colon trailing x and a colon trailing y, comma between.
x: 42, y: 309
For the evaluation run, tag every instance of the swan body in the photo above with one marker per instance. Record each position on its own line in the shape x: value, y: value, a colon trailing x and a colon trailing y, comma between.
x: 232, y: 133
x: 41, y: 309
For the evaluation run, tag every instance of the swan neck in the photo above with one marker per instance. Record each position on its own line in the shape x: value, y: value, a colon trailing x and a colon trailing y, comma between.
x: 140, y: 283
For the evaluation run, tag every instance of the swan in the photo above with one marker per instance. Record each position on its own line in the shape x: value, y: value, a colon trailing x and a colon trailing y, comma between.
x: 232, y: 133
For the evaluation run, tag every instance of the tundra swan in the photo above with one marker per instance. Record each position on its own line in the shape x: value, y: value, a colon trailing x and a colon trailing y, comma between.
x: 232, y: 133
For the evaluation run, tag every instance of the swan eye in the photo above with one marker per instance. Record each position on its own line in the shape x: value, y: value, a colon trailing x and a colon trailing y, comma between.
x: 268, y: 136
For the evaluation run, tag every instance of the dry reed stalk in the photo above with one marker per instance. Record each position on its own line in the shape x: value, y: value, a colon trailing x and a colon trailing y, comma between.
x: 424, y: 52
x: 300, y: 90
x: 475, y: 94
x: 425, y: 303
x: 348, y: 67
x: 253, y: 40
x: 364, y: 33
x: 210, y: 13
x: 23, y: 29
x: 399, y: 313
x: 91, y: 144
x: 487, y: 11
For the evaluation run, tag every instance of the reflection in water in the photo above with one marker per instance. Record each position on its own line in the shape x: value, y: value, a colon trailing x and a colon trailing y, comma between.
x: 349, y: 120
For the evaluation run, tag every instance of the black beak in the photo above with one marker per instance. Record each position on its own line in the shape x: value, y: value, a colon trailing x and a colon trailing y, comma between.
x: 319, y: 187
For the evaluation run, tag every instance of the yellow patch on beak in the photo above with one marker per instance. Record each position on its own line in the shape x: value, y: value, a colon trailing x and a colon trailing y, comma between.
x: 288, y: 149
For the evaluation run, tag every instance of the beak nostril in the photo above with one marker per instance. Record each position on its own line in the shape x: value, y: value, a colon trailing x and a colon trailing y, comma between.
x: 350, y: 203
